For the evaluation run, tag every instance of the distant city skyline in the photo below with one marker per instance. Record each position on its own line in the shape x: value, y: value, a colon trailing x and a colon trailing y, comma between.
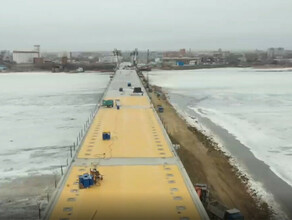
x: 91, y: 25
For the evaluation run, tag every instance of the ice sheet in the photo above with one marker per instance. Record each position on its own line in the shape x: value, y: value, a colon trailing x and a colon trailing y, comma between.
x: 41, y: 115
x: 254, y: 105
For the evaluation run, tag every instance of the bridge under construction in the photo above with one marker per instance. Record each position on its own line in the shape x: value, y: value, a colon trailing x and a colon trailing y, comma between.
x: 142, y: 176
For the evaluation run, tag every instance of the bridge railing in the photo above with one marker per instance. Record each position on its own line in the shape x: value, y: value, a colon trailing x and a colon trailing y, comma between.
x: 73, y: 150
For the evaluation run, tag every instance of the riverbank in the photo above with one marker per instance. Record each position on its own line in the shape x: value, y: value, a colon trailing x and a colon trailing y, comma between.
x: 194, y: 67
x: 205, y: 163
x: 197, y: 67
x: 98, y: 67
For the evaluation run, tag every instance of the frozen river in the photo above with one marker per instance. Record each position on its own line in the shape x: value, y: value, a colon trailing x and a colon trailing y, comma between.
x: 41, y: 115
x: 249, y: 112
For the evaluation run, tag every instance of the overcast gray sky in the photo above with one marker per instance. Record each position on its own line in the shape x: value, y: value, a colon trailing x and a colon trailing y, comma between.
x: 59, y: 25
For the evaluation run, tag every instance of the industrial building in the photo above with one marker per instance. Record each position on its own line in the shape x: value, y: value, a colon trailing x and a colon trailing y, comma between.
x: 25, y: 56
x: 181, y: 61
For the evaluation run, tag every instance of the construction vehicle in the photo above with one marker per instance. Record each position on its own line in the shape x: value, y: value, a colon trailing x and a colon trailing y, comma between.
x: 203, y: 192
x: 160, y: 109
x: 218, y: 211
x: 215, y: 209
x: 138, y: 90
x: 108, y: 103
x: 158, y: 94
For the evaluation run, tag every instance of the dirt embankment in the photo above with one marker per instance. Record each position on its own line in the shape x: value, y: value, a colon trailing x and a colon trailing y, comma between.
x: 206, y: 164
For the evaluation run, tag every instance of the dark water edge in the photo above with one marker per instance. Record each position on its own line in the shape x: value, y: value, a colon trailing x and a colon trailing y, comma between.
x: 255, y: 168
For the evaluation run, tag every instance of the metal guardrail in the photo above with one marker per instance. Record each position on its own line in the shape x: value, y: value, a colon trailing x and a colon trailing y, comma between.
x: 73, y: 149
x: 183, y: 171
x: 83, y: 132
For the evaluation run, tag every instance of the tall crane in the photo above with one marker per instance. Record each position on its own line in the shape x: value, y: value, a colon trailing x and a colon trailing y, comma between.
x: 134, y: 56
x: 148, y: 56
x: 117, y: 54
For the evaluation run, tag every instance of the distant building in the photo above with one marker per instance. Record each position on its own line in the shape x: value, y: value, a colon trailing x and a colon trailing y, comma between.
x: 276, y: 53
x: 181, y: 61
x: 157, y: 60
x: 65, y: 54
x: 38, y: 60
x: 109, y: 59
x: 64, y: 60
x: 5, y: 56
x: 180, y: 53
x: 180, y: 58
x: 271, y: 53
x: 25, y: 56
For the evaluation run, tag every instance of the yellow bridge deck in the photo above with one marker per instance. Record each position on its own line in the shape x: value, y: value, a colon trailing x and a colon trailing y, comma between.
x: 127, y: 192
x: 134, y: 133
x: 143, y: 177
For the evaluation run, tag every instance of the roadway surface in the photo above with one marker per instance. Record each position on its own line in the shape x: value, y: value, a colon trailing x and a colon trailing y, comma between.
x: 143, y: 176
